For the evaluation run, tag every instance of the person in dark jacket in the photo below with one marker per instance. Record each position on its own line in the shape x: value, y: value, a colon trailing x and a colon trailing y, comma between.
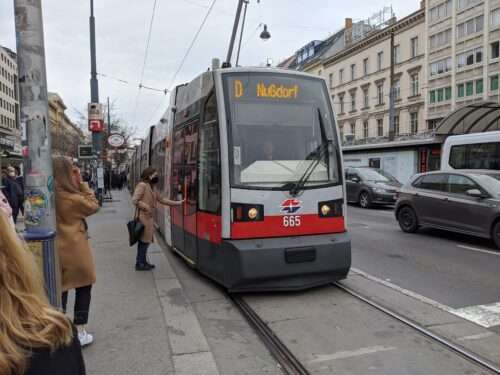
x: 35, y: 339
x: 20, y: 182
x: 12, y: 191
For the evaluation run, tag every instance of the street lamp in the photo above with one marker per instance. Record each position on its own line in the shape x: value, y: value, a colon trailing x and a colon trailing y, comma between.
x: 265, y: 35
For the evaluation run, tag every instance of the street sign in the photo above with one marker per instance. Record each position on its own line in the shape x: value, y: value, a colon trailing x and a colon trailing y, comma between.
x: 96, y: 126
x: 116, y: 140
x: 96, y: 117
x: 85, y: 152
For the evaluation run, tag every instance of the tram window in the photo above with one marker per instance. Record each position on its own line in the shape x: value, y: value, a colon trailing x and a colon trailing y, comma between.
x: 209, y: 191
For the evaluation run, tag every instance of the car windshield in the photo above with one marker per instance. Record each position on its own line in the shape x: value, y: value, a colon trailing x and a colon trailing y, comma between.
x: 376, y: 175
x: 281, y: 131
x: 490, y: 182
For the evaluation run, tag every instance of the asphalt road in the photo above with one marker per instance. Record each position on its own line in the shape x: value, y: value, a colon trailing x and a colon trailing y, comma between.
x: 452, y: 269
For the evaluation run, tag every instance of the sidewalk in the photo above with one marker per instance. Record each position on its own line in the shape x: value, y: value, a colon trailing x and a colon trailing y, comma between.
x: 141, y: 322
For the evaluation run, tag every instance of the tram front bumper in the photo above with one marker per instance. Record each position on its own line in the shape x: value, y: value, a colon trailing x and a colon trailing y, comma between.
x: 290, y: 263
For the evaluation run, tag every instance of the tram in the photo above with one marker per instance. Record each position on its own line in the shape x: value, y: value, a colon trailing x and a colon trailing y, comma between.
x: 256, y: 156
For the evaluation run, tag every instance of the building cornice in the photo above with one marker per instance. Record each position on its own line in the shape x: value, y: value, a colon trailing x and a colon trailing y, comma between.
x: 381, y: 35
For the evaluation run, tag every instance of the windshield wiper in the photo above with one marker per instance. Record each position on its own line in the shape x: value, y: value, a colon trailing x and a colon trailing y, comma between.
x: 317, y: 155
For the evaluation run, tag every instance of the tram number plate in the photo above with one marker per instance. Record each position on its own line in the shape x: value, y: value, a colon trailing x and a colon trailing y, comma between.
x: 291, y: 221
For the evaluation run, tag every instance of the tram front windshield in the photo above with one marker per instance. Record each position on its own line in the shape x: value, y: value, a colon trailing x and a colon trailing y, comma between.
x: 280, y: 131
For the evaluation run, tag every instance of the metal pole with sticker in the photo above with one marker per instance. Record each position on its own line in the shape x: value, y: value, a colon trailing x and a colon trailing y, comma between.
x: 39, y: 192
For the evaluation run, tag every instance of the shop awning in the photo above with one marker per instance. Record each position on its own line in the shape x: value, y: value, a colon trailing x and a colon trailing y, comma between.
x: 472, y: 118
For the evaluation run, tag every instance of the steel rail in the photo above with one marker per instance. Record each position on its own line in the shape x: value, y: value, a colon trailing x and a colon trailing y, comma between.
x: 471, y: 357
x: 286, y: 359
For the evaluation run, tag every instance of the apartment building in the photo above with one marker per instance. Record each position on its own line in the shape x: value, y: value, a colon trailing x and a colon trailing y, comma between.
x: 65, y: 134
x: 359, y: 78
x: 463, y: 55
x: 9, y: 103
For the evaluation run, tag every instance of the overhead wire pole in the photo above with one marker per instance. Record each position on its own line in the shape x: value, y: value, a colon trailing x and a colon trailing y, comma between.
x: 40, y: 218
x: 97, y: 142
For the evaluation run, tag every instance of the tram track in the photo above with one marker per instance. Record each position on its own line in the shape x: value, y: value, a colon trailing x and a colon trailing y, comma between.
x: 291, y: 365
x: 468, y: 355
x: 288, y: 362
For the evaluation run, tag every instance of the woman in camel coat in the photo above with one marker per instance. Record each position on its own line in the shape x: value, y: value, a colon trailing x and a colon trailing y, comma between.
x: 74, y: 203
x: 146, y: 198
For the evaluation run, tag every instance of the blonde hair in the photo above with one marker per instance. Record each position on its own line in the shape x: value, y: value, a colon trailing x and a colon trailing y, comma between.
x: 63, y: 175
x: 26, y: 318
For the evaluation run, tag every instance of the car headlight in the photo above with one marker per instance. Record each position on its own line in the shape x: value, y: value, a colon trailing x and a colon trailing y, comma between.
x: 380, y: 191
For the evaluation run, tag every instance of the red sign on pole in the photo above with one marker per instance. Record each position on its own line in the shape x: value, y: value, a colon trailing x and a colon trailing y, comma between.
x: 96, y: 126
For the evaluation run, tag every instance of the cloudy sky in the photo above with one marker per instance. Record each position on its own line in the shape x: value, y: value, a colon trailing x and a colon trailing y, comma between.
x: 122, y: 28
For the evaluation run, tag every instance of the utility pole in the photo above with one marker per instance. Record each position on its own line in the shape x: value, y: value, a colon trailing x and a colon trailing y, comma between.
x: 39, y: 206
x: 94, y: 98
x: 392, y: 98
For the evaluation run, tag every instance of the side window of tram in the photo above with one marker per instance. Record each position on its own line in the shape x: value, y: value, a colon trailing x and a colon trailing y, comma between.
x: 209, y: 191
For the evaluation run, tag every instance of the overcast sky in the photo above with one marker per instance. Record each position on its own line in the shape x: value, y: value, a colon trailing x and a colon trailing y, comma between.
x: 122, y: 28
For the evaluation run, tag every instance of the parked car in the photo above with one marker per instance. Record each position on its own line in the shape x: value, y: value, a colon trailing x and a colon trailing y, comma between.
x: 463, y: 201
x: 368, y: 186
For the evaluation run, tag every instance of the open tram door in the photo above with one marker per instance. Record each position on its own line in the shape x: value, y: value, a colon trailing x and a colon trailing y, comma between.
x: 184, y: 180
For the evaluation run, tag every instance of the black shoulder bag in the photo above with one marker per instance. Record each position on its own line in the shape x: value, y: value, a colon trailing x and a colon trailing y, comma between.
x: 135, y: 229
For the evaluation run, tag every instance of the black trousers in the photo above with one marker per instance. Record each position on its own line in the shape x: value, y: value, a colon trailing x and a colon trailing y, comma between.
x: 82, y: 304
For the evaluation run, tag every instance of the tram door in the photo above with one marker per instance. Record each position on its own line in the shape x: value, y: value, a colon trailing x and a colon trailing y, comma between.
x: 184, y: 181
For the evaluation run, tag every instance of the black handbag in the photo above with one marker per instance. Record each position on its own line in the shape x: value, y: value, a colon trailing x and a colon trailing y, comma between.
x: 135, y: 229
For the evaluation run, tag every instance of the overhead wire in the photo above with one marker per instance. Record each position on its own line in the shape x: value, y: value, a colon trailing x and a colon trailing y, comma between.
x: 146, y: 52
x: 139, y: 85
x: 184, y: 58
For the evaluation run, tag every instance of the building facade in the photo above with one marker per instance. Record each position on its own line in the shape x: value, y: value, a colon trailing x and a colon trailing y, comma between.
x: 10, y: 137
x: 65, y: 135
x: 463, y: 55
x: 359, y: 78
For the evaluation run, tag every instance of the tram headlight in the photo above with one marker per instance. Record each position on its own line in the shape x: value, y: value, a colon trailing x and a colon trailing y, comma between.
x: 253, y: 213
x: 333, y: 208
x: 247, y: 212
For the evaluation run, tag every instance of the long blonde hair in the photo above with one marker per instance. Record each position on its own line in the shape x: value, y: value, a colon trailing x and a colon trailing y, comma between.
x: 63, y: 175
x: 26, y: 318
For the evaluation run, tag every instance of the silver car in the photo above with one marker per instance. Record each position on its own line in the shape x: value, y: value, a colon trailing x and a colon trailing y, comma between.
x: 463, y: 201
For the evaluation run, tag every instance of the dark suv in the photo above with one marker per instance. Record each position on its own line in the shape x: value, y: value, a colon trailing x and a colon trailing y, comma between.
x: 368, y: 186
x: 460, y: 201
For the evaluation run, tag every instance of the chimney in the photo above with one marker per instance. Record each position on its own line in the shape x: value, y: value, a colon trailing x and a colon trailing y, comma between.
x: 348, y: 32
x: 348, y: 23
x: 422, y: 4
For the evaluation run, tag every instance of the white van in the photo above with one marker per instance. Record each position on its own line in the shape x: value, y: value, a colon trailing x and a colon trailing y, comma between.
x: 472, y: 151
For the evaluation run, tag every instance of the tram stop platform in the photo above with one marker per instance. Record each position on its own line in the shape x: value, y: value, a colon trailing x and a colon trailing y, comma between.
x: 168, y: 321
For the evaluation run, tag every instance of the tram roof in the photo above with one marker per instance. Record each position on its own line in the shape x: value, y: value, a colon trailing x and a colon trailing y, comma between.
x: 472, y: 118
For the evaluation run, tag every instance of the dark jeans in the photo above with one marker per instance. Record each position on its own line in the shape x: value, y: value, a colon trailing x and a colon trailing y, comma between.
x: 15, y: 214
x: 82, y: 304
x: 142, y: 251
